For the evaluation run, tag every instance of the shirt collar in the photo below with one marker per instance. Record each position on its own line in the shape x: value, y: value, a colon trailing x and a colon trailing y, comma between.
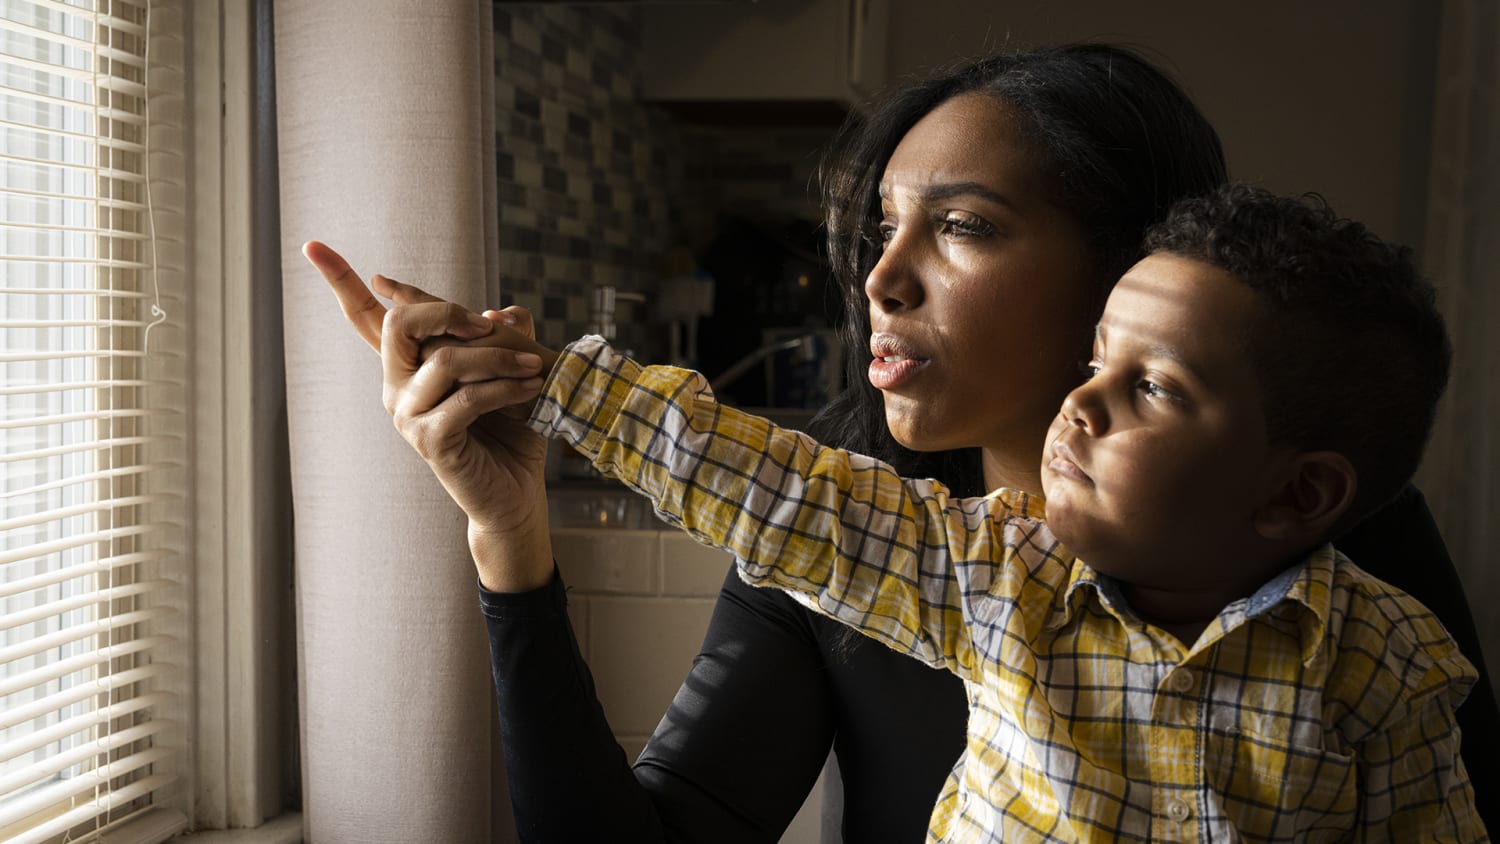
x: 1026, y: 505
x: 1307, y: 584
x: 1079, y: 577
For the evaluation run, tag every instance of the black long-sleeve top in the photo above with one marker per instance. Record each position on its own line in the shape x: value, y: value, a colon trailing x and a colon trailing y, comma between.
x: 776, y: 685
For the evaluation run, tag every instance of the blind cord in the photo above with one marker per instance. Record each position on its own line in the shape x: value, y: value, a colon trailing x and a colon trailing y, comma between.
x: 157, y: 311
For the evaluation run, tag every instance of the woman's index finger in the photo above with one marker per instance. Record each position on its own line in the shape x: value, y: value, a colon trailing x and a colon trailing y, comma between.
x: 360, y: 306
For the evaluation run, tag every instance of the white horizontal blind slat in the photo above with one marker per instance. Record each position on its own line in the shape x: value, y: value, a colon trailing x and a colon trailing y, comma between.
x: 58, y: 762
x: 99, y: 807
x: 80, y: 7
x: 74, y: 602
x: 20, y: 714
x: 63, y: 667
x: 112, y: 204
x: 105, y: 263
x: 42, y: 227
x: 104, y: 83
x: 65, y: 418
x: 80, y: 723
x: 57, y: 451
x: 74, y: 632
x: 70, y: 480
x: 58, y: 575
x: 12, y: 555
x: 88, y: 503
x: 62, y: 793
x: 91, y: 291
x: 71, y: 323
x: 94, y: 507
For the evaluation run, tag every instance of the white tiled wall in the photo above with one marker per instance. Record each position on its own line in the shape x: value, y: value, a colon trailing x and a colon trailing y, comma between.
x: 640, y: 601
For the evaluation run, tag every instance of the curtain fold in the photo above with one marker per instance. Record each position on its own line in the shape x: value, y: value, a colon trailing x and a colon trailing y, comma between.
x: 1461, y: 474
x: 386, y: 151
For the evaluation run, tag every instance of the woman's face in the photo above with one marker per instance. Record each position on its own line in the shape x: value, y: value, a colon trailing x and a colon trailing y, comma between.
x: 981, y: 303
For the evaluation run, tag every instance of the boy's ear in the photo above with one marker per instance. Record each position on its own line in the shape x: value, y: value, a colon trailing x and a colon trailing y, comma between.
x: 1309, y: 498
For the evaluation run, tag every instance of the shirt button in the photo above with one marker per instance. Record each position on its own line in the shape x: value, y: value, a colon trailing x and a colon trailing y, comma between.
x: 1178, y: 810
x: 1182, y: 681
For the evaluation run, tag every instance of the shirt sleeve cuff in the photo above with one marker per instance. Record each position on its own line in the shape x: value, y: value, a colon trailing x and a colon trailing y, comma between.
x: 548, y: 601
x: 583, y: 393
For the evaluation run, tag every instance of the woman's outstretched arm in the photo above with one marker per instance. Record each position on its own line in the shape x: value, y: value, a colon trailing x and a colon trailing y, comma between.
x: 706, y: 776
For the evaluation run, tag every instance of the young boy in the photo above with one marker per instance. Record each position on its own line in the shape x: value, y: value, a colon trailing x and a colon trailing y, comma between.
x: 1174, y: 651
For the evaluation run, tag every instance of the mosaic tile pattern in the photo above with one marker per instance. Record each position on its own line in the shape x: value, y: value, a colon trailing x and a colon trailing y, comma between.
x: 595, y: 186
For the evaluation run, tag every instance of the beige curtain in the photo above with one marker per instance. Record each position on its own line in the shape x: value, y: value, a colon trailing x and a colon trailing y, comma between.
x: 1461, y: 474
x: 386, y: 145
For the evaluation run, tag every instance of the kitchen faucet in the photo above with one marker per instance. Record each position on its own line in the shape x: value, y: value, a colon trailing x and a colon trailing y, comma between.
x: 805, y: 345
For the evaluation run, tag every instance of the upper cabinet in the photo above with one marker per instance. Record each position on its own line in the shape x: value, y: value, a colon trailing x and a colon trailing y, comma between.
x: 809, y: 51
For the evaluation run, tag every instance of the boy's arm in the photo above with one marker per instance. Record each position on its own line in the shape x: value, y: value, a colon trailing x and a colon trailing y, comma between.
x: 1414, y: 785
x: 874, y: 551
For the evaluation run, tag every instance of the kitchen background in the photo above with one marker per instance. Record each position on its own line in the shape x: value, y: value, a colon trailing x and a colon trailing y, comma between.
x: 643, y: 146
x: 312, y: 665
x: 649, y: 147
x: 642, y: 150
x: 598, y: 188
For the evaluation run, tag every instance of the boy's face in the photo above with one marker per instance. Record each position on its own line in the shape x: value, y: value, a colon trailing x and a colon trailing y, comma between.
x: 1156, y: 464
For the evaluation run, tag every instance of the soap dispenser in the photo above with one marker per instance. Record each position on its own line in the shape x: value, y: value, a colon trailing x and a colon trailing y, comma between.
x: 603, y: 301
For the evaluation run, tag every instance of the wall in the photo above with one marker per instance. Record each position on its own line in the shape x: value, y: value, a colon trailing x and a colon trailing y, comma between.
x: 1332, y: 96
x: 595, y: 187
x: 584, y: 172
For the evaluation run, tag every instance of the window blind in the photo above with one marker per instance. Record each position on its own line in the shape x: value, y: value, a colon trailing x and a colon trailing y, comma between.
x: 91, y: 442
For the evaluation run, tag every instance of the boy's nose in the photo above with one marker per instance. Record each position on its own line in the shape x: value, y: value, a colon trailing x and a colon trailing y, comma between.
x: 1084, y: 408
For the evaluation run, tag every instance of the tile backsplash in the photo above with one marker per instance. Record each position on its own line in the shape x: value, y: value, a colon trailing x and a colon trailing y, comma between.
x: 596, y: 186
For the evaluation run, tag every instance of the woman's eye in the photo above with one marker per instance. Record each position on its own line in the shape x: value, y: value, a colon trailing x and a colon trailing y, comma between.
x: 956, y: 226
x: 877, y: 234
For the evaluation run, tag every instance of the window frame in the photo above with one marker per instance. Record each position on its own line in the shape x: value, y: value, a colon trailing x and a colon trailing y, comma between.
x: 244, y: 757
x: 236, y: 751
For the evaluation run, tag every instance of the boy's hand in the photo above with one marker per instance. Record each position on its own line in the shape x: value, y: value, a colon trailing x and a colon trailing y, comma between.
x: 456, y: 404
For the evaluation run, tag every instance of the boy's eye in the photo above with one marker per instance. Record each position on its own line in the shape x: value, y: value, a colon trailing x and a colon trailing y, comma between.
x: 1146, y: 387
x: 1154, y: 390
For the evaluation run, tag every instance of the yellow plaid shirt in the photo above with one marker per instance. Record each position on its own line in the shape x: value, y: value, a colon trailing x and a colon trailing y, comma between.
x: 1320, y: 708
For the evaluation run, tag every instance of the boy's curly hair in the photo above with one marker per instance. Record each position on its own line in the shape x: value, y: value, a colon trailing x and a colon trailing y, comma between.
x: 1349, y: 348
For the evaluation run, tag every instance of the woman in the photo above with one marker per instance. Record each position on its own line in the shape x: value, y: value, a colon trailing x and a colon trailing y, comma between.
x: 976, y: 221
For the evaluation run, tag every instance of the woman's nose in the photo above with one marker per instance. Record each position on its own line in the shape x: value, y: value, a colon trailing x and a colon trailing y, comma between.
x: 893, y: 283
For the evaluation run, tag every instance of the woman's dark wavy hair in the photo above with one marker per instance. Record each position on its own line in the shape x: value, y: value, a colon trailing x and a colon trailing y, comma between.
x: 1120, y: 141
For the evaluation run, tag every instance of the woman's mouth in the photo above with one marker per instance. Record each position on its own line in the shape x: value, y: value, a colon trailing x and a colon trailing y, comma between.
x: 893, y: 364
x: 890, y: 372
